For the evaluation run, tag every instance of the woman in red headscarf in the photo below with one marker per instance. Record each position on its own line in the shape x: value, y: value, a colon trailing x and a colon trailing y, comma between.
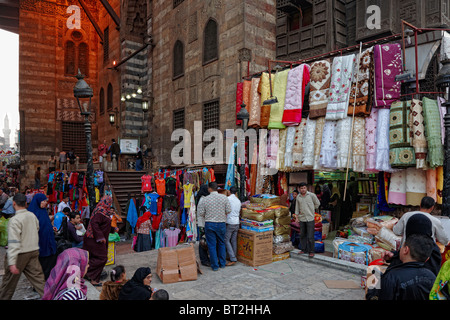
x: 144, y: 229
x: 96, y: 239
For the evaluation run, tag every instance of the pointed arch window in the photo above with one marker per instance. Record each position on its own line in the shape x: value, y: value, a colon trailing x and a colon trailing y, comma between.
x: 178, y: 59
x: 69, y: 58
x: 210, y: 42
x: 76, y: 55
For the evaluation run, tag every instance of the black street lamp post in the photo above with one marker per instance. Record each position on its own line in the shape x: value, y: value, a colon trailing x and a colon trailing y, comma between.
x: 443, y: 82
x: 83, y: 91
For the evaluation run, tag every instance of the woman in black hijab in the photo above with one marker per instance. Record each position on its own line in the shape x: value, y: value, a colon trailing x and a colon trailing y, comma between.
x: 138, y: 287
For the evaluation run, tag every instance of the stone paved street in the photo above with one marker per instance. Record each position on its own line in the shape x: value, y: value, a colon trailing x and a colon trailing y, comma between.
x: 293, y: 279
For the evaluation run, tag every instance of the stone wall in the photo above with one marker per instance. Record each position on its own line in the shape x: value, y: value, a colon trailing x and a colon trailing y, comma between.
x: 246, y: 32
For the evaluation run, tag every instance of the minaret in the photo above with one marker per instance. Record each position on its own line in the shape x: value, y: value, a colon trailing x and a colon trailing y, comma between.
x: 6, y: 132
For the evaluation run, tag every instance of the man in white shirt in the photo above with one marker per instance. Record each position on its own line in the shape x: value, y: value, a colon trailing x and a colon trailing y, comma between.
x: 63, y: 204
x: 232, y: 226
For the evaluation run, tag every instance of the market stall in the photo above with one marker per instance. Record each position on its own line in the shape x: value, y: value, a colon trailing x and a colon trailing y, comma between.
x: 344, y: 121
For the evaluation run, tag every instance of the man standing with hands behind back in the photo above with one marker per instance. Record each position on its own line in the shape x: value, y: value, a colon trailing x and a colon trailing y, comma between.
x: 307, y: 204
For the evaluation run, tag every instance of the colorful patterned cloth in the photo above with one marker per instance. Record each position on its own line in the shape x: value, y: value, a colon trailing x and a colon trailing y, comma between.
x: 254, y: 109
x: 401, y: 152
x: 419, y: 141
x: 363, y: 84
x: 239, y: 100
x: 341, y: 82
x: 388, y: 64
x: 359, y: 145
x: 371, y: 141
x: 264, y: 90
x: 319, y: 88
x: 297, y: 79
x: 297, y: 150
x: 397, y: 188
x: 277, y: 109
x: 432, y: 120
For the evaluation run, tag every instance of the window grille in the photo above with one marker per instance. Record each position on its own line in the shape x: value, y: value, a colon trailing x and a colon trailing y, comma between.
x: 178, y: 119
x: 210, y: 46
x: 70, y: 58
x: 178, y: 59
x: 83, y: 58
x: 109, y: 101
x: 102, y: 101
x: 106, y: 45
x: 211, y: 119
x: 74, y: 137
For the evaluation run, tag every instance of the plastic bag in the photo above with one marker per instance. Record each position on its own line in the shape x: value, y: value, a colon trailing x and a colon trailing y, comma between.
x: 114, y: 237
x: 4, y: 231
x: 387, y: 237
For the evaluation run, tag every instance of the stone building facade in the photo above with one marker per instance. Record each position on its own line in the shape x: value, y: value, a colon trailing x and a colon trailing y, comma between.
x: 203, y: 48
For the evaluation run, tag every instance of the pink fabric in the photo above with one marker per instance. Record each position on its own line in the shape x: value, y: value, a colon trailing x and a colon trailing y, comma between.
x: 298, y: 78
x: 172, y: 237
x: 388, y: 64
x: 68, y: 272
x: 371, y: 143
x: 239, y: 99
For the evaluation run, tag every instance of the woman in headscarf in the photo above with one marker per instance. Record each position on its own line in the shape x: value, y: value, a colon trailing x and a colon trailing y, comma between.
x: 138, y: 287
x: 66, y: 278
x: 47, y: 242
x: 139, y: 165
x: 96, y: 239
x: 143, y: 230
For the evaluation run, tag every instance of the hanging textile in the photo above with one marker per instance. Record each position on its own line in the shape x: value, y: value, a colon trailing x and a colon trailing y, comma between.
x: 382, y: 150
x: 308, y: 144
x: 290, y: 139
x: 239, y: 100
x: 341, y: 82
x: 419, y: 141
x: 254, y: 170
x: 363, y: 85
x: 272, y: 148
x: 416, y: 186
x: 359, y: 145
x: 297, y: 150
x: 264, y: 90
x: 432, y: 183
x: 246, y: 90
x: 279, y: 91
x: 262, y: 154
x: 442, y: 111
x: 371, y: 140
x: 328, y: 150
x: 432, y: 122
x: 281, y: 150
x: 388, y: 65
x: 439, y: 184
x: 382, y: 204
x: 319, y: 88
x: 343, y: 132
x: 397, y: 188
x: 320, y: 123
x: 229, y: 182
x: 401, y: 152
x: 254, y: 108
x: 297, y: 79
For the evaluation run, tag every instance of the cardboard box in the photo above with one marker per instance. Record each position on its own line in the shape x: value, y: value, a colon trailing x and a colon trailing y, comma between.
x: 176, y: 264
x: 254, y: 248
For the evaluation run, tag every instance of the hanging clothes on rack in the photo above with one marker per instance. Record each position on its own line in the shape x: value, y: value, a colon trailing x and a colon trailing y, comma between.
x: 254, y: 108
x: 432, y: 123
x: 319, y: 88
x: 279, y: 91
x: 363, y: 84
x: 297, y: 79
x: 419, y: 141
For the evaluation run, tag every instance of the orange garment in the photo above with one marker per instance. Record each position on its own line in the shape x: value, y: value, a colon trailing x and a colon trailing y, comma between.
x: 160, y: 186
x: 114, y: 220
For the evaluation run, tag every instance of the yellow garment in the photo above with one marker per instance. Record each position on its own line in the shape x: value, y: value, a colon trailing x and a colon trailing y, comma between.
x: 187, y: 188
x: 439, y: 184
x: 264, y: 90
x: 277, y: 109
x: 97, y: 195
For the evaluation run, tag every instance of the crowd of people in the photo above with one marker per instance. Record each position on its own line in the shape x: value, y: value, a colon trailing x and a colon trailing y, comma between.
x: 57, y: 272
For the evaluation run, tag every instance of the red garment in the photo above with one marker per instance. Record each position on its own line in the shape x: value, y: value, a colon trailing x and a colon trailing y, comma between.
x: 160, y: 186
x: 146, y: 216
x: 239, y: 100
x: 146, y: 183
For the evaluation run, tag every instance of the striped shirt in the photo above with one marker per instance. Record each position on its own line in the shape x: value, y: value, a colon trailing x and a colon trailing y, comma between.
x: 71, y: 294
x: 214, y: 208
